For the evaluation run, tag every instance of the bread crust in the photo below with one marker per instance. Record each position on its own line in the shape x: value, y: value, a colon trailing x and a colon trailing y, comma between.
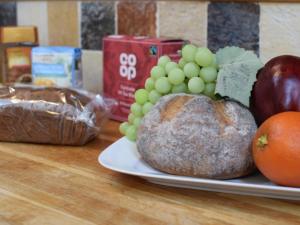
x: 192, y: 135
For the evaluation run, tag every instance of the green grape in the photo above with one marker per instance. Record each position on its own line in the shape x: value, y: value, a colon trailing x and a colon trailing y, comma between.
x: 149, y: 84
x: 181, y: 63
x: 196, y: 85
x: 180, y: 88
x: 209, y: 89
x: 188, y: 52
x: 176, y: 76
x: 163, y: 60
x: 154, y: 96
x: 157, y: 72
x: 191, y: 69
x: 136, y: 109
x: 170, y: 66
x: 162, y: 85
x: 137, y: 121
x: 131, y: 133
x: 131, y: 118
x: 203, y: 57
x: 141, y: 96
x: 214, y: 62
x: 123, y: 127
x: 146, y: 107
x: 208, y: 74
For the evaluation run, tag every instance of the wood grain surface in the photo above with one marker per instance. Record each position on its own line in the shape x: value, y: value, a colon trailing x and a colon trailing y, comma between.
x: 59, y: 185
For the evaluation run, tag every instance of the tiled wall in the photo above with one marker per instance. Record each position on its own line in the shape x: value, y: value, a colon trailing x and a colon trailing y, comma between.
x: 269, y: 29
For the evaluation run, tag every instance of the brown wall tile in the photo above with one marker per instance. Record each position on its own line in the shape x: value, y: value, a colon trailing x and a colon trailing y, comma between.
x: 137, y: 18
x: 63, y: 23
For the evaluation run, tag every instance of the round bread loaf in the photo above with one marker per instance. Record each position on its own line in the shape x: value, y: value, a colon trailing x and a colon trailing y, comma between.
x: 192, y: 135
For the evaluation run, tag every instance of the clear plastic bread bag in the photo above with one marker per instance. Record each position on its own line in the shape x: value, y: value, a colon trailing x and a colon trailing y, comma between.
x: 51, y: 115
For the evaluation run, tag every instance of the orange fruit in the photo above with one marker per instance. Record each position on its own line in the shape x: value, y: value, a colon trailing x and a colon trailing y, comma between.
x: 276, y: 148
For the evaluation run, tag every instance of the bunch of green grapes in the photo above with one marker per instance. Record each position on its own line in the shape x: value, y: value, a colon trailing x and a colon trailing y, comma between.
x: 195, y: 73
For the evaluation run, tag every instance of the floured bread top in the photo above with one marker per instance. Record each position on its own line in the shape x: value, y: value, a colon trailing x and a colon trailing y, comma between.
x: 195, y: 136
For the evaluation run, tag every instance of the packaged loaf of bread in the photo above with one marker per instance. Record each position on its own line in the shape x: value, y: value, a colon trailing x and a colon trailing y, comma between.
x: 51, y: 115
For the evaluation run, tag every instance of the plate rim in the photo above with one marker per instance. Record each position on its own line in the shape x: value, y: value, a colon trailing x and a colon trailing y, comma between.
x: 177, y: 178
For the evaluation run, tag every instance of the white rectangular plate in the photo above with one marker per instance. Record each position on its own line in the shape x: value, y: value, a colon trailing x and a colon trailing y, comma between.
x: 122, y: 156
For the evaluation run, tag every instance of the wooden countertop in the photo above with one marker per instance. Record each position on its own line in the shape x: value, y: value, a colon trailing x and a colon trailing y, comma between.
x: 42, y: 184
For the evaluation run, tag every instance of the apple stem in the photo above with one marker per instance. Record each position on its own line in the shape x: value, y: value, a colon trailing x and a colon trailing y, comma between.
x: 262, y: 141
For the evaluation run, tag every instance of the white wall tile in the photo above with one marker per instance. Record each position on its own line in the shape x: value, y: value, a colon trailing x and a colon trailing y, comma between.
x: 183, y: 19
x: 92, y: 70
x: 279, y: 29
x: 34, y: 13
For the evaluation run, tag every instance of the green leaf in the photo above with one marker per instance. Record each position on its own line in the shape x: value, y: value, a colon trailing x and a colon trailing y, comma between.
x: 228, y: 55
x: 237, y: 74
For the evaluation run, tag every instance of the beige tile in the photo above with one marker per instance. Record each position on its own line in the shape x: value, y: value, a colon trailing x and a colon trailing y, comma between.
x: 183, y: 19
x: 34, y: 13
x: 92, y: 70
x: 279, y: 29
x: 63, y: 23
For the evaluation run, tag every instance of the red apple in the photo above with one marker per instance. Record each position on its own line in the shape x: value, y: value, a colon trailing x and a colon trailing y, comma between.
x: 277, y: 88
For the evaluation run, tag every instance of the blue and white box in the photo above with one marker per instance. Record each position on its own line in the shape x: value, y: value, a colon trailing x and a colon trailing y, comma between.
x: 57, y: 66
